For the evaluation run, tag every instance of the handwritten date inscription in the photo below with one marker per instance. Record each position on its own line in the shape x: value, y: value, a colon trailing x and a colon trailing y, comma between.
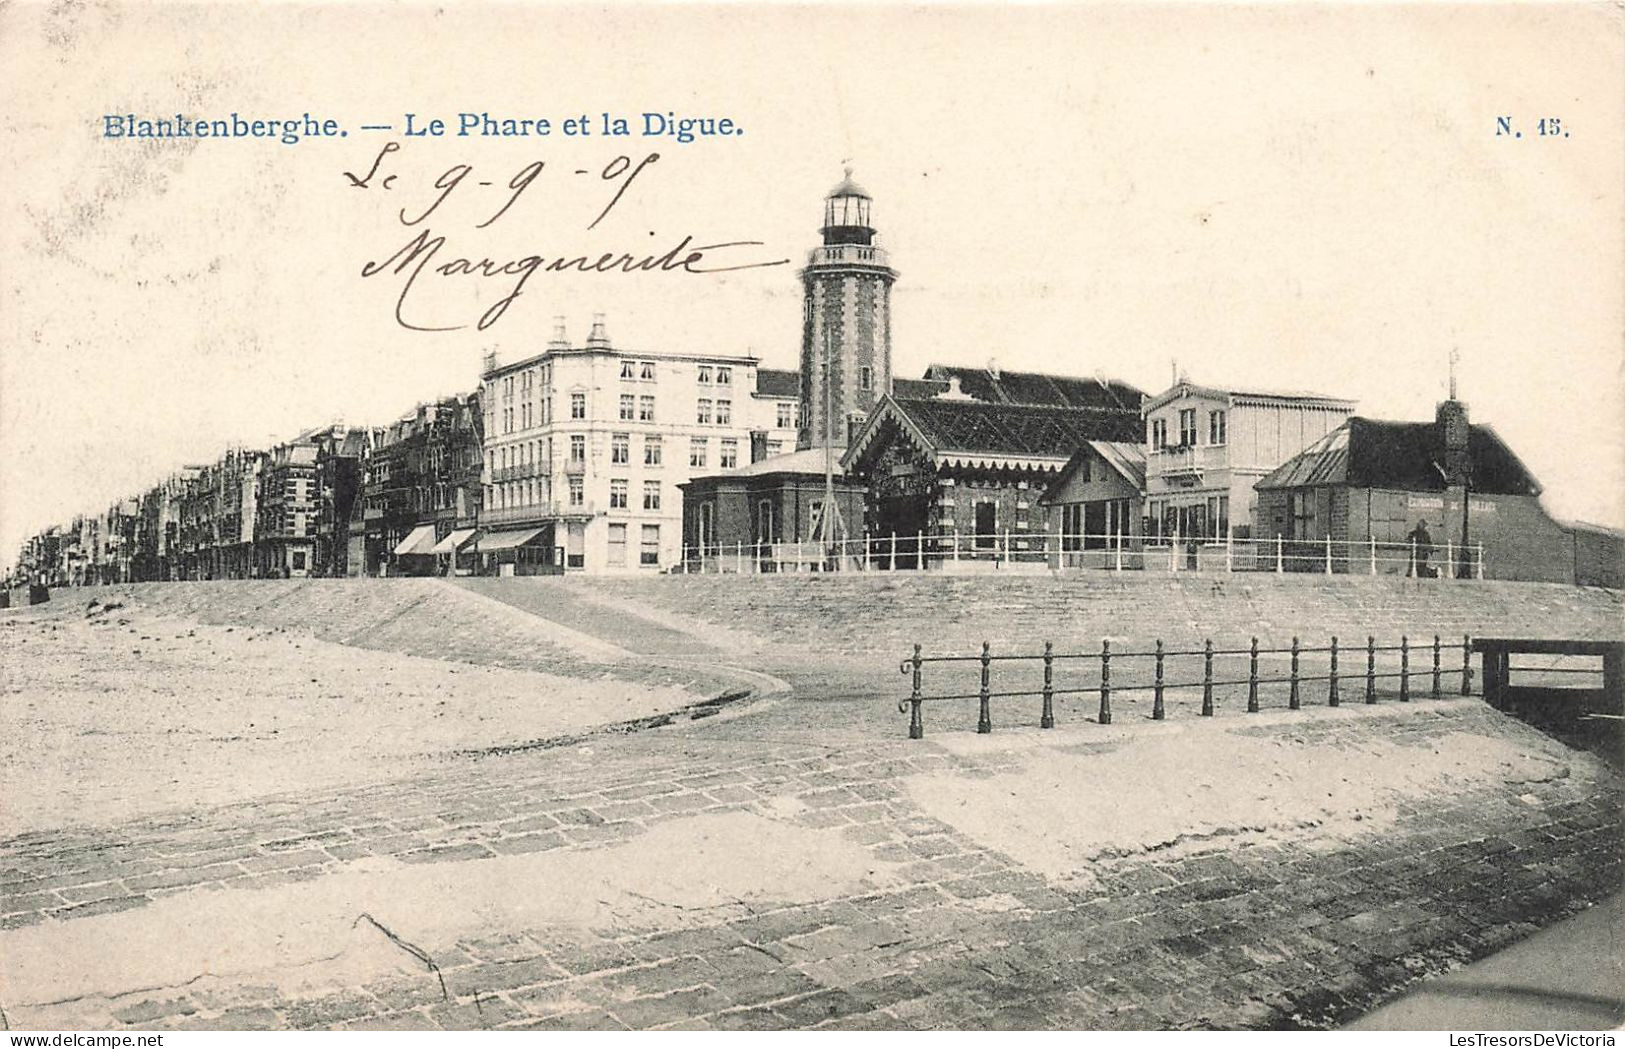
x: 427, y: 254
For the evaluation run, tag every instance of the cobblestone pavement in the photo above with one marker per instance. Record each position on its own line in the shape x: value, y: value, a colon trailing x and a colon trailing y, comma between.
x: 1255, y: 926
x: 1299, y: 930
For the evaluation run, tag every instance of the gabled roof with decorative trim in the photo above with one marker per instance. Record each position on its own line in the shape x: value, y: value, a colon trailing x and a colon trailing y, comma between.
x: 976, y: 433
x: 1126, y: 458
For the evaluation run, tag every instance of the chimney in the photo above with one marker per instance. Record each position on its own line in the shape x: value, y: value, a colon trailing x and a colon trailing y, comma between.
x: 560, y: 340
x: 1454, y: 432
x: 598, y: 340
x: 490, y: 364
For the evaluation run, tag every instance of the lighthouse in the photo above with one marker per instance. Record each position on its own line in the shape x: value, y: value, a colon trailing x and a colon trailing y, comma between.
x: 846, y: 363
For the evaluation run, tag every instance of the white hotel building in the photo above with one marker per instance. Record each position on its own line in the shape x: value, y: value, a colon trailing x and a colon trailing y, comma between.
x: 585, y: 447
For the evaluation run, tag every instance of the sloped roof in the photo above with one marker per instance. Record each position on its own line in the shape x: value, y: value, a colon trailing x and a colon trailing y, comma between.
x: 966, y: 429
x: 805, y: 461
x: 1306, y: 398
x: 1007, y: 387
x: 772, y: 382
x: 1125, y: 457
x: 1408, y: 456
x: 914, y: 389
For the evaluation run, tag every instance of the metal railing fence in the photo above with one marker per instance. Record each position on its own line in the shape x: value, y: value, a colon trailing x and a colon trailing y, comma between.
x: 1157, y: 659
x: 926, y: 551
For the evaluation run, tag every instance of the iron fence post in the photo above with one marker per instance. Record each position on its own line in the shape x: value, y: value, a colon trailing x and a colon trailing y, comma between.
x: 1370, y: 669
x: 1404, y: 669
x: 1252, y: 679
x: 916, y: 723
x: 1466, y: 665
x: 1331, y: 681
x: 1157, y: 710
x: 1207, y: 678
x: 1105, y: 682
x: 1292, y: 701
x: 1435, y: 666
x: 984, y: 723
x: 1048, y: 720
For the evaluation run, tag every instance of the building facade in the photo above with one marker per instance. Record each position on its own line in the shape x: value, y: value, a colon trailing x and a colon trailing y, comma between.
x: 286, y: 511
x: 422, y: 483
x: 586, y: 447
x: 956, y: 479
x: 1206, y: 448
x: 768, y: 516
x: 1095, y: 506
x: 1405, y: 498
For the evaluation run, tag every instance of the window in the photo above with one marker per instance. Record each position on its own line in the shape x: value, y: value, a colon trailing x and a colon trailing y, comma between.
x: 617, y: 544
x: 620, y: 449
x: 725, y: 376
x: 577, y: 491
x: 651, y: 450
x: 651, y: 495
x: 617, y: 494
x: 578, y: 406
x: 628, y: 370
x: 1301, y: 509
x: 1085, y: 469
x: 1215, y: 427
x: 702, y: 410
x: 787, y: 415
x: 815, y: 518
x: 1187, y: 427
x: 649, y: 552
x: 647, y: 372
x: 507, y: 420
x: 725, y: 412
x: 866, y: 378
x: 705, y: 373
x: 646, y: 408
x: 696, y: 452
x: 775, y: 448
x: 626, y: 406
x: 1159, y: 434
x: 578, y: 448
x: 298, y: 560
x: 730, y: 454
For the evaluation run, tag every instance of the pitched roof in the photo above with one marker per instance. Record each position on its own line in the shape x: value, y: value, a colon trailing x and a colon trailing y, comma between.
x: 978, y: 430
x: 915, y: 389
x: 1006, y: 387
x: 771, y: 382
x: 1408, y: 456
x: 805, y: 461
x: 1254, y: 395
x: 1125, y: 457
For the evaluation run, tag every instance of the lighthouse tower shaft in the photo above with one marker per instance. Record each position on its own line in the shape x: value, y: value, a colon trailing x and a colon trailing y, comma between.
x: 846, y: 351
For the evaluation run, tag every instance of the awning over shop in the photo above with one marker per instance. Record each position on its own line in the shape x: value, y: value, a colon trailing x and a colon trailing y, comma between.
x: 453, y: 542
x: 419, y: 541
x: 507, y: 540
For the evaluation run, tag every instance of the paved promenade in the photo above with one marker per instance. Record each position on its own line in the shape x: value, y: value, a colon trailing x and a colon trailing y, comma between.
x: 797, y: 863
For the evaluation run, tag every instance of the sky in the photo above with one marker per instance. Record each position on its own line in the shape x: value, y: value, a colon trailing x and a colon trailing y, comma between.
x: 1288, y: 197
